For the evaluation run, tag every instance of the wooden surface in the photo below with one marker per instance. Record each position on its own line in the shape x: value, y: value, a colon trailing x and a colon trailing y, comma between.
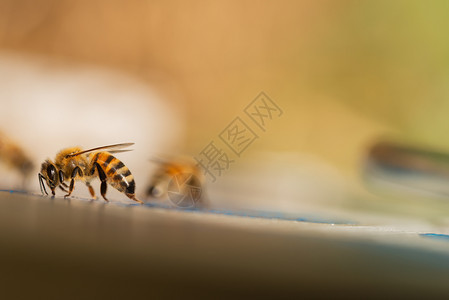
x: 73, y: 249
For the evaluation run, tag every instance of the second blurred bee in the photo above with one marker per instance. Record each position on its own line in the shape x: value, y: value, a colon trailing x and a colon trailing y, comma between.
x: 14, y: 157
x: 178, y: 180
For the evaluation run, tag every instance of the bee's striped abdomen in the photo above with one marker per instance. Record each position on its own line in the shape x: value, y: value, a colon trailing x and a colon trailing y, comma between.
x: 118, y: 175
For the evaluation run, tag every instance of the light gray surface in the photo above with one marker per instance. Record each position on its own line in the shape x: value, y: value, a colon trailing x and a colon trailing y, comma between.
x: 56, y: 248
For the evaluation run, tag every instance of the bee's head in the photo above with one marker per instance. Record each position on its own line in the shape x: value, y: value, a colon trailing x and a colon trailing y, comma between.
x: 154, y: 191
x: 49, y: 173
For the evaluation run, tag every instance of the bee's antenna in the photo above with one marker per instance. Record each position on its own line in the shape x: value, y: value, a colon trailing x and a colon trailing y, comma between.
x: 41, y: 184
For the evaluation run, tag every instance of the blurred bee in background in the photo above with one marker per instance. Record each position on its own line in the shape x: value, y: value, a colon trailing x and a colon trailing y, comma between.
x: 73, y: 164
x: 180, y: 181
x: 398, y: 166
x: 13, y: 156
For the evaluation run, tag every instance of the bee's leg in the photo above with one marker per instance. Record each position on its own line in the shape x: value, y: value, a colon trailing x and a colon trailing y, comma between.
x: 62, y: 184
x: 91, y: 190
x: 62, y: 188
x: 41, y: 184
x: 61, y: 178
x: 133, y: 197
x: 72, y: 181
x: 104, y: 185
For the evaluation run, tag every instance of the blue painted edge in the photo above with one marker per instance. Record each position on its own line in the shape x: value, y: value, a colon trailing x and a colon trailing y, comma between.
x: 236, y: 213
x: 437, y: 236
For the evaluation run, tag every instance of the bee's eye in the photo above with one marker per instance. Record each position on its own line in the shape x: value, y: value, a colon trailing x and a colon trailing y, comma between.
x: 154, y: 192
x: 51, y: 172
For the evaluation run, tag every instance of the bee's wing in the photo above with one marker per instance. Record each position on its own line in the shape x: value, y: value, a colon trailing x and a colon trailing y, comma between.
x: 119, y: 151
x: 158, y: 160
x: 115, y: 146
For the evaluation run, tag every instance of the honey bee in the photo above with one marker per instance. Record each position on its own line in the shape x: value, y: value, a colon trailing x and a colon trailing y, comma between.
x: 180, y: 180
x: 12, y: 155
x: 73, y: 164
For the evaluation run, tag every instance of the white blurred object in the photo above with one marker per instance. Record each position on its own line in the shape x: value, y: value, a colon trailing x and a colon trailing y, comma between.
x: 47, y: 106
x: 283, y: 182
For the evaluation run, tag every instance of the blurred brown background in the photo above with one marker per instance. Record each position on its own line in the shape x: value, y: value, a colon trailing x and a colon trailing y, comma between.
x: 344, y: 72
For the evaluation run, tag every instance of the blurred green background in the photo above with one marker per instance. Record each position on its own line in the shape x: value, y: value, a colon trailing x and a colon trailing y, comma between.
x: 344, y: 72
